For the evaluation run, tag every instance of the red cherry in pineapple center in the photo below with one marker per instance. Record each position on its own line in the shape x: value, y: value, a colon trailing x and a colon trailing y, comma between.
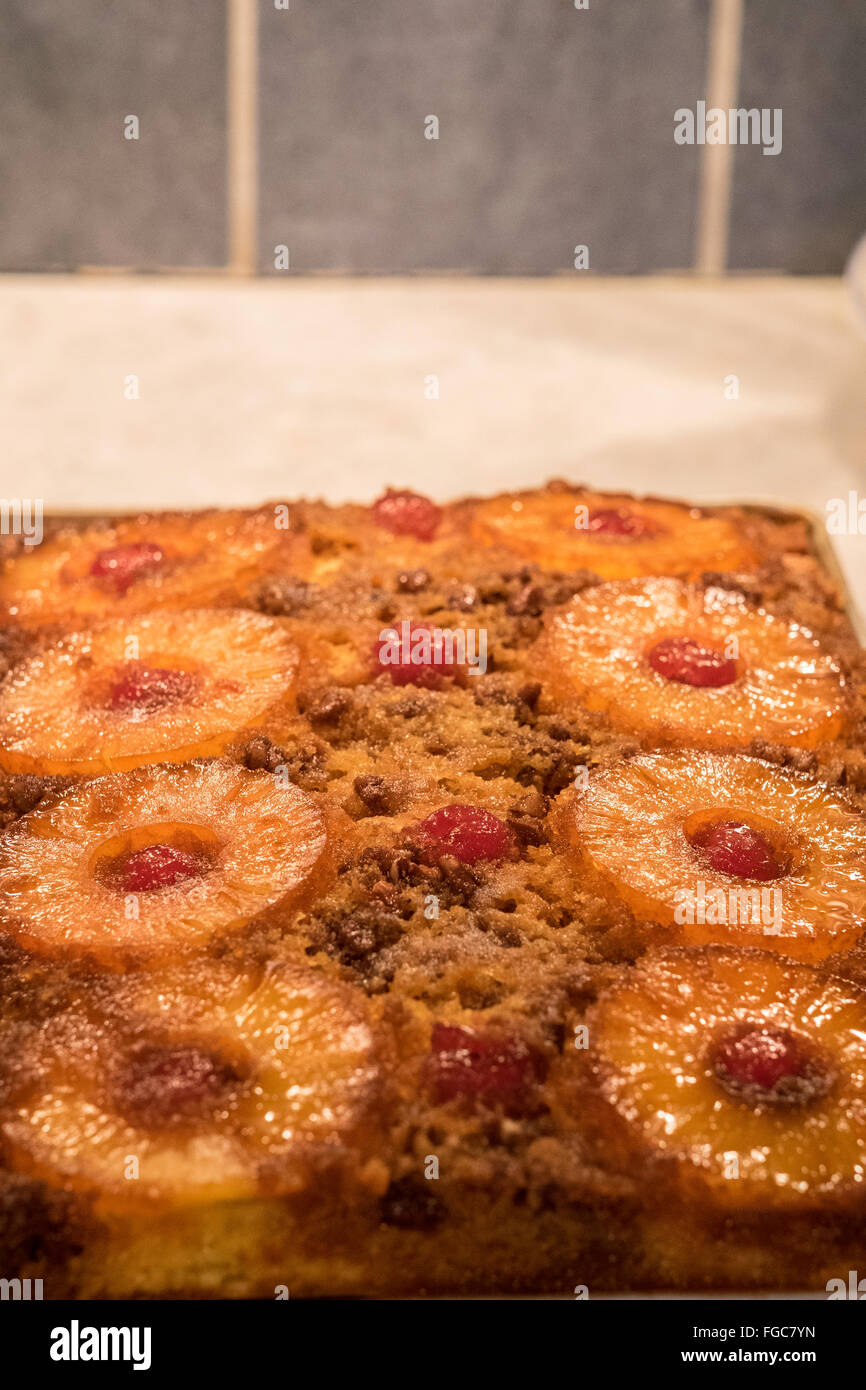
x: 689, y: 662
x: 760, y: 1063
x: 407, y: 513
x: 154, y: 866
x: 145, y: 688
x: 734, y: 848
x: 467, y: 833
x: 121, y: 565
x: 482, y: 1066
x: 166, y: 1085
x: 618, y: 523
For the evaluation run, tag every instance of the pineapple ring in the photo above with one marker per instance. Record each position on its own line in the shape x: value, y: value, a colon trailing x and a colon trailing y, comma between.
x: 199, y: 1083
x: 198, y: 560
x: 786, y: 690
x: 257, y: 845
x: 649, y: 1086
x: 229, y: 666
x: 631, y: 831
x: 555, y: 531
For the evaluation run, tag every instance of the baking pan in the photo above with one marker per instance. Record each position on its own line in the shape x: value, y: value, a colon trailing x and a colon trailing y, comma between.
x: 826, y: 554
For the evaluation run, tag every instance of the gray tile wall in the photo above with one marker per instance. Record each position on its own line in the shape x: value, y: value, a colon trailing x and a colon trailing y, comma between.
x: 75, y: 191
x: 556, y: 129
x: 803, y: 209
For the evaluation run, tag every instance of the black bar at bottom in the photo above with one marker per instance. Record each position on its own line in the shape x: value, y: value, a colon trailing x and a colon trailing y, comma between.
x: 255, y: 1339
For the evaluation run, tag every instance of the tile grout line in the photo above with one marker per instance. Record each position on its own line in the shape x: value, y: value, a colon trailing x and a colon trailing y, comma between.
x: 716, y: 164
x: 242, y: 145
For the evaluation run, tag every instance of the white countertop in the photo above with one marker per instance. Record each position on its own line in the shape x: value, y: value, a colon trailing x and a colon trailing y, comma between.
x: 251, y: 389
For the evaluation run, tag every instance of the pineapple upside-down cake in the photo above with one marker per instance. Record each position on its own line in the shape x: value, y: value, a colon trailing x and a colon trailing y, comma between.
x: 419, y: 898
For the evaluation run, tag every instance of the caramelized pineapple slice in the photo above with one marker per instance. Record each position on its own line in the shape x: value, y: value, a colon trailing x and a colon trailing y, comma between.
x: 614, y: 537
x: 725, y: 848
x: 137, y: 564
x: 734, y: 1075
x: 675, y: 664
x: 200, y: 1083
x: 146, y: 863
x: 165, y: 687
